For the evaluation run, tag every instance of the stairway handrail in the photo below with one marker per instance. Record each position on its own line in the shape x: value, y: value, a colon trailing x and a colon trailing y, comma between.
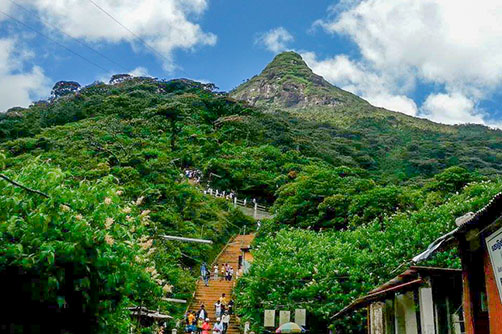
x: 238, y: 201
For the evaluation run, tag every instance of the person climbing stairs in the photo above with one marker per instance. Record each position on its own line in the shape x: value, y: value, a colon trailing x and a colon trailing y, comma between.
x: 208, y: 295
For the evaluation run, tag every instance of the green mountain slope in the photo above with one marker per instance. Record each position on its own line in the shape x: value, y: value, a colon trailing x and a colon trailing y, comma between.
x: 340, y: 165
x: 363, y: 231
x: 384, y: 140
x: 287, y: 83
x: 82, y: 150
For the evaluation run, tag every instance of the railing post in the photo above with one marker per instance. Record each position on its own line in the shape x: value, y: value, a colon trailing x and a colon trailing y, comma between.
x: 235, y: 201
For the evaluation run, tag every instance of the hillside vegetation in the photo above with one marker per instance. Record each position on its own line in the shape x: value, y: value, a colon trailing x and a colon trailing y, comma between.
x: 338, y: 231
x: 355, y: 189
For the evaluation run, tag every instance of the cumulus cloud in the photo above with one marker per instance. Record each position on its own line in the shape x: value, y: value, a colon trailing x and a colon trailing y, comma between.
x: 448, y: 43
x: 19, y: 86
x: 165, y: 25
x: 355, y: 78
x: 451, y: 109
x: 140, y: 71
x: 275, y: 40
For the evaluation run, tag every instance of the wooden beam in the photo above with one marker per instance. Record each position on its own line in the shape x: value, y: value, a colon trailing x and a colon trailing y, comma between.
x: 171, y: 237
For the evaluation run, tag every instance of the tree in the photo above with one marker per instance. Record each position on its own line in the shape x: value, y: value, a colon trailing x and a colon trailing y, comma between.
x: 62, y: 88
x: 119, y: 78
x: 325, y: 271
x: 79, y: 248
x: 172, y: 111
x: 452, y: 179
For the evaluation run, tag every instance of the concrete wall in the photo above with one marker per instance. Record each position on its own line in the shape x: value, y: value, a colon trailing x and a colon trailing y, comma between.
x: 376, y: 318
x: 427, y: 323
x: 406, y: 316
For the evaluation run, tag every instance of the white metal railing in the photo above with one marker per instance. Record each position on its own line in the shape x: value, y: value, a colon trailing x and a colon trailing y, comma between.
x: 253, y: 204
x: 258, y: 210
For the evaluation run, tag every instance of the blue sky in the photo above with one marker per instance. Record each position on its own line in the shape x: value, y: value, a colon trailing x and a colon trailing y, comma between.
x: 429, y: 58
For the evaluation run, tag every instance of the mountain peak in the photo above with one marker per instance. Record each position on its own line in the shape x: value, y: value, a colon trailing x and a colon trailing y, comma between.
x: 287, y: 81
x: 286, y: 61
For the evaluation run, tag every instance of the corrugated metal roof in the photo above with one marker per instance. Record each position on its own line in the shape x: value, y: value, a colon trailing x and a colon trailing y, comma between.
x: 401, y: 283
x: 485, y: 216
x: 363, y: 301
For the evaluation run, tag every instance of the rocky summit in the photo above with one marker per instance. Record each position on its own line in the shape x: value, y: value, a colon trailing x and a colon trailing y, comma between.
x: 288, y: 82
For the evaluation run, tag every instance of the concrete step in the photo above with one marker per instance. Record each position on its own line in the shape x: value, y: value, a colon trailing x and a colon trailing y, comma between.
x: 208, y: 295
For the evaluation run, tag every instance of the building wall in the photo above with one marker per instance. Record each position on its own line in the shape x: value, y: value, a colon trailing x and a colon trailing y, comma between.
x: 406, y: 316
x: 376, y: 318
x: 493, y: 298
x: 426, y: 311
x: 468, y: 316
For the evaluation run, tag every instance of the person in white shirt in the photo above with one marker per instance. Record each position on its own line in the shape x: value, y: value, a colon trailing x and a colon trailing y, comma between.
x: 231, y: 273
x: 202, y: 313
x: 225, y: 320
x: 218, y: 327
x: 217, y: 308
x: 215, y: 270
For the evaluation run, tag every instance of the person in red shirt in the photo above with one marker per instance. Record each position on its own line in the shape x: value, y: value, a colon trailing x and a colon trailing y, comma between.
x: 206, y: 327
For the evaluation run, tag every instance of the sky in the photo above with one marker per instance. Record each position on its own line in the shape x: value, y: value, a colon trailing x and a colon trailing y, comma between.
x: 435, y: 59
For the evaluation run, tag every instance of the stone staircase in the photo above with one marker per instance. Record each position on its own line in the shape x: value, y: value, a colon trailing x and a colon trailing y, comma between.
x: 208, y: 295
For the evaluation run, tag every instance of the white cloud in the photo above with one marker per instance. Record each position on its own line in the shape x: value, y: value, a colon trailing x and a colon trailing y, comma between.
x: 140, y: 71
x: 448, y: 43
x: 18, y: 86
x: 451, y: 109
x: 275, y: 40
x: 357, y: 79
x: 4, y: 7
x: 399, y: 103
x: 165, y: 25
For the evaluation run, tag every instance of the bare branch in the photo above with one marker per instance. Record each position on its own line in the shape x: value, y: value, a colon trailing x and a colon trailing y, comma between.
x: 24, y: 187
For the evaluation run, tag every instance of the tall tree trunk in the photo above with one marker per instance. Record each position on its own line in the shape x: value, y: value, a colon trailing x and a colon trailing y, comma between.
x: 173, y: 135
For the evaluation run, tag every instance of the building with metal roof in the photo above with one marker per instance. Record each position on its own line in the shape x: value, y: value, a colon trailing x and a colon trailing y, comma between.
x: 423, y: 300
x: 479, y: 240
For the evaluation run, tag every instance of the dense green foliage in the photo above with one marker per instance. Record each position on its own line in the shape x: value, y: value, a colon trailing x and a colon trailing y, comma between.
x: 345, y: 224
x: 343, y: 197
x: 325, y: 271
x: 132, y: 152
x: 349, y: 131
x: 356, y: 191
x: 84, y: 235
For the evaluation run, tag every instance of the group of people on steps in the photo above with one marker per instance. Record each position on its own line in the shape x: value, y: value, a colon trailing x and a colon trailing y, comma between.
x: 199, y: 323
x: 226, y: 270
x: 227, y: 273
